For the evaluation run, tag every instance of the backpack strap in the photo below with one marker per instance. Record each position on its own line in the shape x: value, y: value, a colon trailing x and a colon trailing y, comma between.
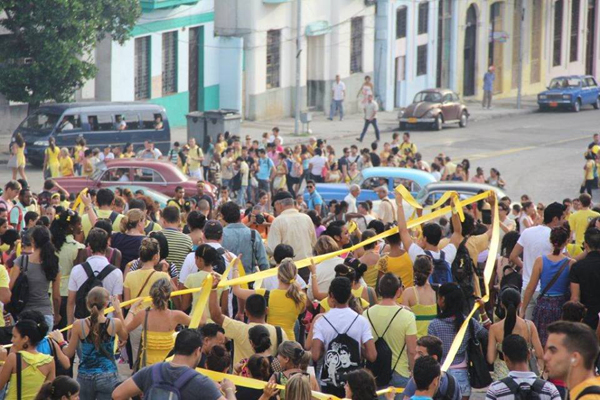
x: 88, y: 269
x: 336, y: 331
x: 19, y: 376
x: 442, y: 255
x: 105, y: 271
x: 373, y: 326
x: 451, y: 387
x: 399, y: 356
x: 184, y: 378
x: 589, y: 390
x: 390, y: 324
x: 113, y: 216
x: 511, y: 384
x: 352, y: 323
x: 538, y: 385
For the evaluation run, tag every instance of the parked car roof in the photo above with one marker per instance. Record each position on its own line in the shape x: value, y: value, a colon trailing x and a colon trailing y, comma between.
x: 158, y: 165
x: 407, y: 173
x: 457, y: 186
x: 103, y: 105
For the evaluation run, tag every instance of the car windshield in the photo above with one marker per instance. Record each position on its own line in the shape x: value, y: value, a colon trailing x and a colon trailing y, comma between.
x: 429, y: 97
x: 561, y: 83
x: 100, y: 169
x: 41, y: 120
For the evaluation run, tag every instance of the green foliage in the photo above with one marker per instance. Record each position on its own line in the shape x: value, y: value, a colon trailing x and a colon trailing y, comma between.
x: 47, y: 55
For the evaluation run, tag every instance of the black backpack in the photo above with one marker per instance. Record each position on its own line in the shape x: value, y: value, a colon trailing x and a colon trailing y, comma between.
x: 220, y: 266
x: 524, y: 391
x: 342, y: 356
x: 441, y: 269
x: 20, y: 291
x: 462, y: 269
x: 236, y: 182
x: 382, y: 367
x: 92, y: 281
x: 588, y: 390
x: 450, y: 389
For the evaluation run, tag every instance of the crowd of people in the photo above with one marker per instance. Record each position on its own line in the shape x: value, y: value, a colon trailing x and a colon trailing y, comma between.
x: 385, y: 314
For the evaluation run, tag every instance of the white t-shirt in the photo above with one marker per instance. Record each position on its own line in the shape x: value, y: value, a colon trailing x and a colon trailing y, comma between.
x: 272, y: 283
x: 325, y: 274
x: 449, y: 252
x: 351, y: 200
x: 339, y: 90
x: 272, y: 139
x: 341, y: 318
x: 113, y: 282
x: 371, y: 110
x: 363, y: 222
x: 437, y: 176
x: 189, y: 264
x: 536, y: 243
x: 318, y: 162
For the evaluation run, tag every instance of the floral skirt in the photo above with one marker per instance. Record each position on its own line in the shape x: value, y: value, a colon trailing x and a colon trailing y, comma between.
x: 547, y: 310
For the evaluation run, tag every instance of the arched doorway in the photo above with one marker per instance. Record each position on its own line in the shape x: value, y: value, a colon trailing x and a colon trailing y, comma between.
x: 470, y: 52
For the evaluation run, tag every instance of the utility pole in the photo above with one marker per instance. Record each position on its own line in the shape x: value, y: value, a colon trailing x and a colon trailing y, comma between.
x: 522, y: 5
x: 298, y: 65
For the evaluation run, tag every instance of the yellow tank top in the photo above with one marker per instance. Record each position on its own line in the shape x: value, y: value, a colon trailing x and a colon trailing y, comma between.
x: 423, y: 315
x: 32, y: 378
x: 370, y: 276
x: 283, y: 311
x: 53, y: 155
x: 159, y: 345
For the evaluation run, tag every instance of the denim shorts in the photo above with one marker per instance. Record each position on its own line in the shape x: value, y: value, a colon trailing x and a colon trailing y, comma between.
x: 462, y: 378
x: 98, y: 386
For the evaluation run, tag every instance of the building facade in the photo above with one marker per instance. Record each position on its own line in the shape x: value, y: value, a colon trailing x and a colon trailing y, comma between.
x: 337, y: 39
x: 173, y: 59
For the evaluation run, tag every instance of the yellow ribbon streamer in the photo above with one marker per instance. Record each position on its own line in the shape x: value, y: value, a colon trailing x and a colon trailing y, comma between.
x: 202, y: 301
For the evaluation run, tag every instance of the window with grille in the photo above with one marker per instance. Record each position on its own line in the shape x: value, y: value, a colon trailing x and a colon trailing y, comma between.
x: 573, y: 56
x: 401, y: 22
x: 142, y: 68
x: 273, y: 58
x: 356, y: 44
x: 169, y: 63
x: 423, y: 17
x: 557, y: 39
x: 422, y: 60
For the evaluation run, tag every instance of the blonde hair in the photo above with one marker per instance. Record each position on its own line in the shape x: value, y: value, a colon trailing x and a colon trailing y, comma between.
x: 298, y: 388
x: 96, y: 301
x: 131, y: 219
x: 287, y: 274
x: 64, y: 152
x: 325, y: 245
x: 160, y: 291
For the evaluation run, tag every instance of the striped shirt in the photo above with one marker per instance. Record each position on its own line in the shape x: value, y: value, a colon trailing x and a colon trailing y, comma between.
x: 499, y: 390
x: 180, y: 245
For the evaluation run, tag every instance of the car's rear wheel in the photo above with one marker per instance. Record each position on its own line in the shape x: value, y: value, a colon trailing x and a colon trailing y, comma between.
x: 577, y: 106
x: 464, y: 120
x: 597, y: 103
x: 438, y: 124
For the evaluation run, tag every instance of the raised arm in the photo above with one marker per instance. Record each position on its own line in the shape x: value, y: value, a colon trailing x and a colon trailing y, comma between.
x: 407, y: 240
x: 213, y: 303
x: 457, y: 236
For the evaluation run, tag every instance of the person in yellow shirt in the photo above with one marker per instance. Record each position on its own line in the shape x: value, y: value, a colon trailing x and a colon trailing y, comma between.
x: 194, y: 160
x: 579, y: 220
x: 51, y: 162
x: 104, y: 201
x: 355, y: 274
x: 571, y: 353
x: 66, y: 166
x: 407, y: 148
x: 396, y: 261
x: 4, y: 291
x: 284, y: 303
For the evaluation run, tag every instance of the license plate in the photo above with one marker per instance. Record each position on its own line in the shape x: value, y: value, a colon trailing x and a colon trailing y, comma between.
x: 412, y: 120
x: 554, y: 104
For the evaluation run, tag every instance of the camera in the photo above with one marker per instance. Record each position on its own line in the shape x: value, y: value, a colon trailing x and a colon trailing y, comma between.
x: 259, y: 219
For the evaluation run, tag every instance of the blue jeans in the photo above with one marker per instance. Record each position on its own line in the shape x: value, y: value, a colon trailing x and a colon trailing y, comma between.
x: 462, y: 379
x: 242, y: 196
x: 399, y: 382
x: 367, y: 123
x: 335, y: 106
x: 97, y: 386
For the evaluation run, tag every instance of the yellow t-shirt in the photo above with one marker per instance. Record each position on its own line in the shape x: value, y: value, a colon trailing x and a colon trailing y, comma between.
x: 87, y: 226
x: 401, y: 266
x: 66, y: 260
x: 408, y: 149
x: 66, y: 166
x: 192, y: 160
x: 579, y: 221
x: 4, y: 280
x: 325, y: 305
x: 402, y: 325
x: 238, y: 332
x: 283, y: 311
x: 595, y: 381
x: 135, y: 280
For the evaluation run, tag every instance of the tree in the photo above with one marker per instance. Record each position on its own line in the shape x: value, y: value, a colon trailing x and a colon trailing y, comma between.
x: 46, y: 55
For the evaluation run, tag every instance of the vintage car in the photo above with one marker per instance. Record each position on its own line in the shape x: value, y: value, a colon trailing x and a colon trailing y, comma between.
x: 570, y: 92
x: 159, y: 198
x: 161, y: 176
x: 432, y: 192
x: 434, y: 108
x: 371, y: 178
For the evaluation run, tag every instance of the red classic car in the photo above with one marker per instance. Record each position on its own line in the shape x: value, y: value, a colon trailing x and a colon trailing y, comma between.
x: 161, y: 176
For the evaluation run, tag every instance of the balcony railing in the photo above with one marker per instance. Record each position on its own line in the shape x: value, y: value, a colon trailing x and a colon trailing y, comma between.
x: 151, y: 5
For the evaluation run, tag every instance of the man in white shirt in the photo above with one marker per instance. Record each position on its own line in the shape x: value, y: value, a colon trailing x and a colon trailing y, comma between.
x: 338, y: 93
x: 344, y: 355
x: 275, y: 135
x: 316, y: 165
x: 370, y: 118
x: 534, y: 242
x: 113, y: 282
x: 386, y: 212
x: 352, y: 197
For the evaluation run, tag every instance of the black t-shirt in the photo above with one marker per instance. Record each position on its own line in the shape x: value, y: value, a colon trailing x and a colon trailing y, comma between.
x: 586, y: 273
x: 375, y: 160
x: 129, y: 246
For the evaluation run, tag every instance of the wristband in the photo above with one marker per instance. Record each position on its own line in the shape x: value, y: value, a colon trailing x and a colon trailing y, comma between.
x: 63, y: 344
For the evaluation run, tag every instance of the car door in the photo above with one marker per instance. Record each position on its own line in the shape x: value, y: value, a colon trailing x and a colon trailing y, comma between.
x: 150, y: 178
x: 593, y: 89
x: 113, y: 176
x: 448, y: 109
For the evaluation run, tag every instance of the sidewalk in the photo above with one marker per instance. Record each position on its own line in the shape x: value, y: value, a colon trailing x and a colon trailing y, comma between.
x: 352, y: 124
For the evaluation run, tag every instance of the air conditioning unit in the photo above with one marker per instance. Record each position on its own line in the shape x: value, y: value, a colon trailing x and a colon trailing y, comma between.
x: 370, y: 2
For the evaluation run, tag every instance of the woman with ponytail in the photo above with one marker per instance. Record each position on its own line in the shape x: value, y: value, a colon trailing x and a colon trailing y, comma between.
x: 37, y: 368
x: 510, y: 301
x: 260, y: 340
x: 359, y: 300
x: 421, y: 298
x: 61, y: 388
x: 551, y: 271
x: 451, y: 302
x: 94, y: 336
x: 293, y: 360
x: 258, y: 367
x: 284, y: 303
x: 158, y: 324
x: 129, y: 240
x: 41, y: 268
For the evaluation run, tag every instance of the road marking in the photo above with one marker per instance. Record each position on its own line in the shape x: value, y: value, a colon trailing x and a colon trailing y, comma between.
x: 520, y: 149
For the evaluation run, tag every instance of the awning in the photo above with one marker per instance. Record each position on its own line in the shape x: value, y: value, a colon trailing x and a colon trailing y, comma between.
x: 317, y: 28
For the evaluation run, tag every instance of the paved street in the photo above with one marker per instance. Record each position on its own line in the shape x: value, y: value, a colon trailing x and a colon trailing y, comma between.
x: 540, y: 154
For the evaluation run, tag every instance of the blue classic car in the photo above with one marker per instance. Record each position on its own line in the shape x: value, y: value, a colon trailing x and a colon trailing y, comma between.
x: 372, y: 178
x: 570, y: 92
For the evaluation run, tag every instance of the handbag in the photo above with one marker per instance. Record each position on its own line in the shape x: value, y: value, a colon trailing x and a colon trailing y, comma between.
x: 12, y: 161
x: 140, y: 361
x: 479, y: 373
x: 533, y: 365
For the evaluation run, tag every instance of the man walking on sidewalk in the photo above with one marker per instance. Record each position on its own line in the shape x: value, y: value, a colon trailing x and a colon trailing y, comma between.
x: 338, y: 93
x: 370, y: 118
x: 488, y: 87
